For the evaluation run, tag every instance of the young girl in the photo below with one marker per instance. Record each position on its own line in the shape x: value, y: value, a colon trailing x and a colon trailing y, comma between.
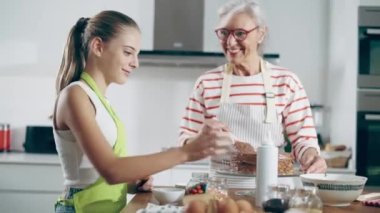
x: 89, y: 135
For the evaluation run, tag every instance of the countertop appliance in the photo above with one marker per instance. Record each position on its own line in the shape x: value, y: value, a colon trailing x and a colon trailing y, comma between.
x: 39, y: 139
x: 368, y: 135
x: 369, y: 47
x: 368, y: 95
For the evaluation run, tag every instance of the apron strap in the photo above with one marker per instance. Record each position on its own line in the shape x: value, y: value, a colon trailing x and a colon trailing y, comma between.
x: 226, y: 86
x: 269, y: 95
x: 270, y: 116
x: 64, y: 202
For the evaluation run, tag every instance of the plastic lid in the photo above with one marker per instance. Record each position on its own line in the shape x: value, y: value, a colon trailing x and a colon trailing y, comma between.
x: 268, y: 139
x: 199, y: 175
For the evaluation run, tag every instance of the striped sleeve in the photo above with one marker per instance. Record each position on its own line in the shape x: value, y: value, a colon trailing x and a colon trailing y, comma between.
x: 298, y: 120
x: 194, y: 116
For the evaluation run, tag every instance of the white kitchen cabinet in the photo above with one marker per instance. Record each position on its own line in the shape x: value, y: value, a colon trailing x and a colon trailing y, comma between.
x: 29, y: 183
x: 27, y: 201
x: 33, y: 182
x: 31, y: 177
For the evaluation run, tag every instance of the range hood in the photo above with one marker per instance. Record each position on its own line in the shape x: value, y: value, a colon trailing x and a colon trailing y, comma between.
x: 178, y: 25
x: 199, y: 59
x: 178, y: 36
x: 174, y: 58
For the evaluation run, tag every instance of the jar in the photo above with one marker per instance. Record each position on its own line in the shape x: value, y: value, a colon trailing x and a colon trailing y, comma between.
x: 197, y: 183
x: 305, y: 201
x: 277, y: 198
x: 5, y: 137
x: 314, y: 204
x: 217, y: 187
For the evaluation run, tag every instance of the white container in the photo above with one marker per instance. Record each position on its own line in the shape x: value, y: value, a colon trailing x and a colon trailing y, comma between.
x: 266, y: 169
x: 167, y: 195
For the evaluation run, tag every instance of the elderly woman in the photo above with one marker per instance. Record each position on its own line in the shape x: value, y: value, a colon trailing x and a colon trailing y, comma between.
x: 252, y: 96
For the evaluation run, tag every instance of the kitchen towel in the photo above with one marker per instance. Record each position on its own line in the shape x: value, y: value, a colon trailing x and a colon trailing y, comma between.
x: 375, y: 203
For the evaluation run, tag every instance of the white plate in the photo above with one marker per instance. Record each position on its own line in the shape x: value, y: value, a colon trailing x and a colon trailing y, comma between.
x: 232, y: 173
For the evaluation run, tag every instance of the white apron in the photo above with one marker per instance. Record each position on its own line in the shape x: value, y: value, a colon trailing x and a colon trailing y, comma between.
x: 248, y: 123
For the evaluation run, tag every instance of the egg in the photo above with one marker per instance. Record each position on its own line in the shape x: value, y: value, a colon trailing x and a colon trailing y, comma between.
x: 228, y: 206
x: 244, y: 206
x: 196, y: 206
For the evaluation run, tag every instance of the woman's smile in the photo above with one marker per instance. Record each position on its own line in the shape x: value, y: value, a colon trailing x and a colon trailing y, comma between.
x: 126, y: 72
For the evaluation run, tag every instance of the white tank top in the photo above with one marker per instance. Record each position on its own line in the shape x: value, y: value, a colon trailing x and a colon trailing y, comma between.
x: 78, y: 171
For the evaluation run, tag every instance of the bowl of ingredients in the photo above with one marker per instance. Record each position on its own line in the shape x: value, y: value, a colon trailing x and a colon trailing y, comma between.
x: 335, y: 189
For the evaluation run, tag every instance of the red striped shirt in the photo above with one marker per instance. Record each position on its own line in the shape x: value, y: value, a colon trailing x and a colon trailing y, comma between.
x: 291, y: 103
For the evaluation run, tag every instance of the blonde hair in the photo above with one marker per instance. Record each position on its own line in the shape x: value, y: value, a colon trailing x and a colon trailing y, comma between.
x: 105, y: 25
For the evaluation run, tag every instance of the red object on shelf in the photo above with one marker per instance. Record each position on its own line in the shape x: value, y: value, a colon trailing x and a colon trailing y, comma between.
x: 5, y: 137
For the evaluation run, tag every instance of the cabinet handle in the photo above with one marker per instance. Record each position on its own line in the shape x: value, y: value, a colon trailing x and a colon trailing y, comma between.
x: 372, y: 117
x: 373, y: 31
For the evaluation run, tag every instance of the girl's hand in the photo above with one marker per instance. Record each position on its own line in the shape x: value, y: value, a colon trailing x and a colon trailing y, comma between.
x: 144, y: 185
x: 210, y: 140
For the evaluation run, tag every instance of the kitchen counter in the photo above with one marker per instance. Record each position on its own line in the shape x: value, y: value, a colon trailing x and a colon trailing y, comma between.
x: 141, y: 200
x: 37, y: 178
x: 52, y: 159
x: 28, y: 158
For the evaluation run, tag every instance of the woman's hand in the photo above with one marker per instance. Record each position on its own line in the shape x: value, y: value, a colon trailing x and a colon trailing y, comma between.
x: 311, y: 162
x: 214, y: 138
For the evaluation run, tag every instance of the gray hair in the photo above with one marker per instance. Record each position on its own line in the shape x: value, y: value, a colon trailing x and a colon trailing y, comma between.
x: 249, y: 7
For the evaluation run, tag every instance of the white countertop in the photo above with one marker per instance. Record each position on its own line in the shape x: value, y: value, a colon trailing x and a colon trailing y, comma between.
x: 32, y: 158
x: 28, y: 158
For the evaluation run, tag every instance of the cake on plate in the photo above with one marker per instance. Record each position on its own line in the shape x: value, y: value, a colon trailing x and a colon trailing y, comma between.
x: 243, y: 161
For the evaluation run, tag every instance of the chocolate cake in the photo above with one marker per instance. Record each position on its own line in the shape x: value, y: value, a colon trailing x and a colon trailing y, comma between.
x: 244, y: 160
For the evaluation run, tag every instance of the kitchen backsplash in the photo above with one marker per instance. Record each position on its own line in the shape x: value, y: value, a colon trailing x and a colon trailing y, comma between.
x: 151, y: 105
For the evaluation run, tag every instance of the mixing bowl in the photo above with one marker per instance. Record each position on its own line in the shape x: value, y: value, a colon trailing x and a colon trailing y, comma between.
x: 166, y: 195
x: 335, y: 189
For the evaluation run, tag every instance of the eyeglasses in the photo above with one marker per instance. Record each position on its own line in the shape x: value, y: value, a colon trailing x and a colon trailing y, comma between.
x: 239, y: 34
